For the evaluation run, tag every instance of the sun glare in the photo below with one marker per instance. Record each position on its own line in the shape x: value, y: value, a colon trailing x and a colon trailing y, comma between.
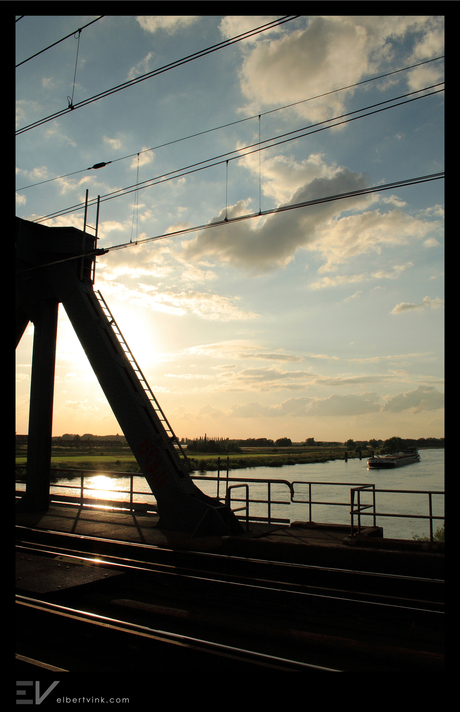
x: 102, y: 487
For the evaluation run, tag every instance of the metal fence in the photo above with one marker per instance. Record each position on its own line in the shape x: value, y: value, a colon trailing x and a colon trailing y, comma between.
x: 262, y: 499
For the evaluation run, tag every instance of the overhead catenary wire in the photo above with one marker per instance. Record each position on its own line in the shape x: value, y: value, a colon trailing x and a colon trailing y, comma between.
x: 160, y: 70
x: 135, y: 220
x: 227, y: 221
x: 250, y: 149
x: 293, y: 206
x: 70, y: 98
x: 72, y: 34
x: 232, y: 123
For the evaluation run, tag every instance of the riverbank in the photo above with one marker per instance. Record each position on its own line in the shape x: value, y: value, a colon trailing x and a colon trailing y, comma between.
x: 121, y: 459
x: 91, y: 459
x: 88, y: 458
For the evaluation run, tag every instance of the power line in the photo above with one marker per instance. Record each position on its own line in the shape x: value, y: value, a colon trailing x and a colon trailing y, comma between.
x: 294, y: 206
x: 228, y: 221
x: 160, y: 70
x: 253, y: 148
x: 59, y: 41
x: 231, y: 123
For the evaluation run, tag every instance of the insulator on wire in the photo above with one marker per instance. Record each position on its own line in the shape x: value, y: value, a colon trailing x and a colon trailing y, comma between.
x: 99, y: 165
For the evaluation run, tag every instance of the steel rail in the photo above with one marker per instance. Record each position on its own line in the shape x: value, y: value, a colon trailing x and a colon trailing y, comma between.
x: 257, y: 581
x: 189, y: 645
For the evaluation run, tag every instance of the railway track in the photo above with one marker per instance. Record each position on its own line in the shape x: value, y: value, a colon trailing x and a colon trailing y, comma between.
x: 104, y: 644
x: 321, y: 618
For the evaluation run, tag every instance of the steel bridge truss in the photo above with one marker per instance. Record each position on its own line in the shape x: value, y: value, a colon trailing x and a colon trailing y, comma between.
x: 56, y: 266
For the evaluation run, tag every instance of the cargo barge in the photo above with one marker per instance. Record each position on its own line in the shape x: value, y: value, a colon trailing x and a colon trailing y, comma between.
x: 384, y: 462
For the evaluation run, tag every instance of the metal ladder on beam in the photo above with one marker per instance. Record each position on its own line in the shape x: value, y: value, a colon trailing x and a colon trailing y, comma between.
x: 141, y: 378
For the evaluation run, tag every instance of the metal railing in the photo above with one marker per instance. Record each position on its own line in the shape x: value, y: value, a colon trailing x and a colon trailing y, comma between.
x: 358, y: 508
x: 228, y: 501
x: 81, y: 489
x: 430, y: 516
x: 262, y: 499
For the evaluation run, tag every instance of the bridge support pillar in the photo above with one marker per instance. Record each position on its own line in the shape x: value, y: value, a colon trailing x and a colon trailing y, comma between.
x: 45, y: 321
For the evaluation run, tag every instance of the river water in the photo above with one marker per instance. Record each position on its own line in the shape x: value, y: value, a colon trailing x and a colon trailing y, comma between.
x: 326, y: 484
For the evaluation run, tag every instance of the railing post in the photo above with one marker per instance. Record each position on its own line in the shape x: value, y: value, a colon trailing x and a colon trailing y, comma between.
x: 228, y: 501
x: 430, y: 509
x: 269, y: 502
x: 352, y: 517
x: 226, y: 485
x: 374, y: 518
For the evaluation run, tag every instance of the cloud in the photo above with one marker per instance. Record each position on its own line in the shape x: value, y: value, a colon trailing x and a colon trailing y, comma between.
x: 427, y: 303
x: 262, y: 248
x: 345, y: 237
x: 346, y: 405
x: 83, y: 406
x: 340, y: 280
x: 331, y: 53
x: 242, y: 349
x: 55, y: 134
x: 264, y: 244
x: 114, y: 143
x: 290, y: 407
x: 205, y: 305
x: 333, y: 406
x: 269, y: 379
x: 282, y: 176
x: 144, y: 157
x: 424, y: 398
x: 234, y: 25
x: 168, y: 23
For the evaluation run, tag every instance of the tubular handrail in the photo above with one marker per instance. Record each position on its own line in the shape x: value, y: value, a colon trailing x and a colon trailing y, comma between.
x: 228, y: 499
x: 357, y: 508
x: 361, y: 507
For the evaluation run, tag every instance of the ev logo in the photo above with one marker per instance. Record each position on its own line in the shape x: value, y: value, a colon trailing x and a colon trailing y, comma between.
x: 36, y: 696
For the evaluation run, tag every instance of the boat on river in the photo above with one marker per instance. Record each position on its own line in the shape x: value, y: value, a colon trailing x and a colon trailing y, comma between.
x: 385, y: 462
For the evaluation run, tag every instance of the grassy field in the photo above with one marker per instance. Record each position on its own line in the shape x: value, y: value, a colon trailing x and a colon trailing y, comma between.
x: 121, y: 458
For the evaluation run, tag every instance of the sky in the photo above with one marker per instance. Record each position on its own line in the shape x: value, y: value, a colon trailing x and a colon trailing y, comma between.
x: 324, y: 320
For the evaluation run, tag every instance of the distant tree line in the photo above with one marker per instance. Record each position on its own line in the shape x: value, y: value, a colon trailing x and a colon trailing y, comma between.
x: 205, y: 444
x: 72, y: 440
x: 394, y: 444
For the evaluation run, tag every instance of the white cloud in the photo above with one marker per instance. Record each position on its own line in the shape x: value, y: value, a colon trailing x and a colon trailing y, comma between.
x: 345, y: 237
x: 331, y: 53
x: 333, y: 406
x: 282, y: 176
x: 242, y: 349
x: 55, y: 134
x: 322, y: 227
x: 424, y: 398
x: 234, y: 25
x: 168, y: 23
x: 142, y: 67
x: 344, y: 279
x: 114, y: 143
x: 177, y: 302
x: 144, y: 157
x: 346, y: 405
x: 275, y: 243
x: 427, y: 303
